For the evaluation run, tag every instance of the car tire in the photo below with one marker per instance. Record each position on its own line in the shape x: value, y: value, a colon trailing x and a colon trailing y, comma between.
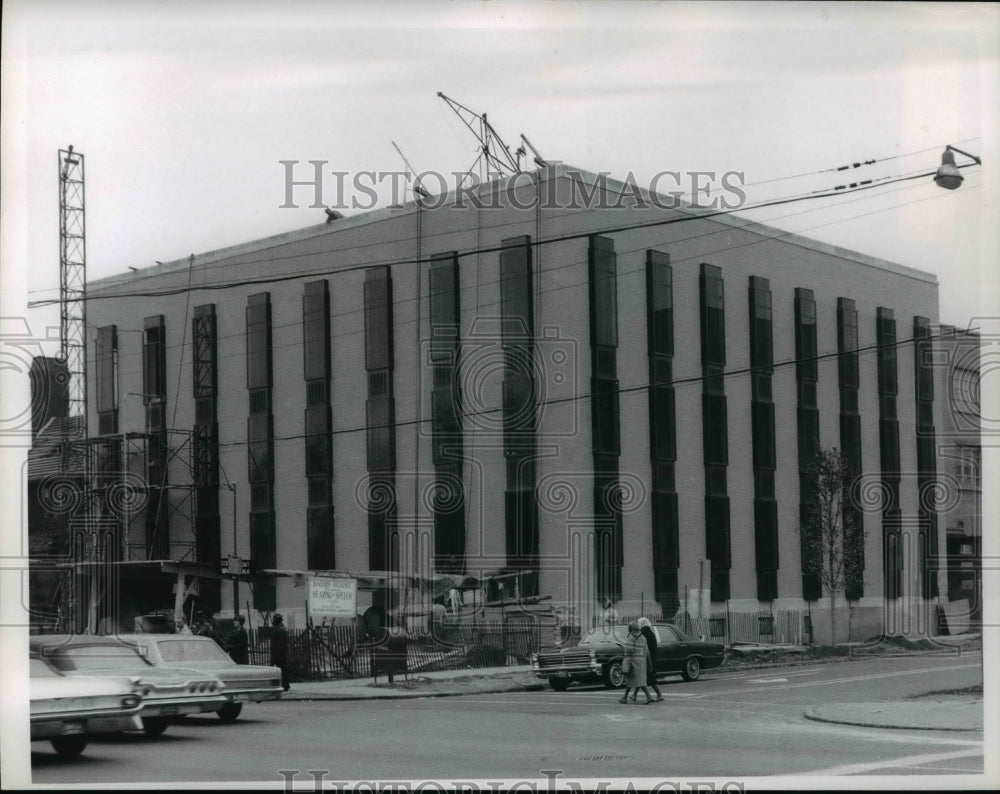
x: 692, y: 669
x: 559, y: 684
x: 230, y: 712
x: 614, y: 676
x: 154, y: 726
x: 69, y: 746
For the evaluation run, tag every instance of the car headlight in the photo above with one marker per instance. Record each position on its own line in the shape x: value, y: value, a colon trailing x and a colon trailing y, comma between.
x: 130, y: 700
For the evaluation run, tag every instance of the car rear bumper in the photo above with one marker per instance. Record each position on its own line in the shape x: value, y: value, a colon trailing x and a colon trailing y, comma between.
x: 173, y: 707
x: 253, y: 695
x: 51, y: 729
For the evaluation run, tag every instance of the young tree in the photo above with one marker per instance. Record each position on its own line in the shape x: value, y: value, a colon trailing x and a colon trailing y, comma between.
x: 831, y: 527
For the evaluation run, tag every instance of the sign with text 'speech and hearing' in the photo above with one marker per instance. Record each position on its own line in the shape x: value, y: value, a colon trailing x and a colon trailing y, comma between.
x: 333, y: 598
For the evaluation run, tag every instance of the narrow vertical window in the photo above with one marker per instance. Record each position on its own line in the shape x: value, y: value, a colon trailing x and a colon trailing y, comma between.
x: 106, y: 356
x: 850, y: 439
x: 154, y: 387
x: 605, y: 417
x: 446, y: 411
x: 762, y: 420
x: 260, y: 443
x: 807, y: 414
x: 923, y: 379
x: 519, y: 411
x: 383, y: 553
x: 205, y: 438
x: 892, y: 562
x: 662, y: 429
x: 714, y: 428
x: 318, y: 426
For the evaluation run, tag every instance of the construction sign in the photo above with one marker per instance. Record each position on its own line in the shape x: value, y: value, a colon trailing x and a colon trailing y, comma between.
x: 333, y: 598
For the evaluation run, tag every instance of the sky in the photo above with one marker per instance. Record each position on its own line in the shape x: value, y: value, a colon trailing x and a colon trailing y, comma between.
x: 184, y: 116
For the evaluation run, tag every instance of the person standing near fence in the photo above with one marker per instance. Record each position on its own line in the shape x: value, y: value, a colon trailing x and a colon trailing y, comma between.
x: 279, y: 648
x: 238, y: 643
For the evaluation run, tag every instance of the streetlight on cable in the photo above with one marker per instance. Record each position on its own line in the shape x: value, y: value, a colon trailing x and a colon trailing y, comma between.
x: 948, y: 175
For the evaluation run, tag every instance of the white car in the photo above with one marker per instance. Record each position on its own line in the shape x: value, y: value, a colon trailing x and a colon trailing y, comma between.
x: 68, y: 710
x: 166, y: 694
x: 244, y: 682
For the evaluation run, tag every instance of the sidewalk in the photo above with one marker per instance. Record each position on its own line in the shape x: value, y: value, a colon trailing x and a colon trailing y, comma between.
x: 421, y: 685
x: 943, y: 713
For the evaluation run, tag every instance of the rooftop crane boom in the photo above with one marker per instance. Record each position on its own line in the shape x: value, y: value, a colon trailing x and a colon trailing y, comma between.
x: 494, y: 153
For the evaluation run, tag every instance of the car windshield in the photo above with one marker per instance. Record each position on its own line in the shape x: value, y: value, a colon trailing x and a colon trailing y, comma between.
x: 605, y: 634
x: 38, y: 669
x: 191, y: 651
x: 96, y: 657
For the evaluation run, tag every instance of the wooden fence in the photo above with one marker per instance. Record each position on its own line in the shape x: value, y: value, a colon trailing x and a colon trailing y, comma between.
x: 345, y: 651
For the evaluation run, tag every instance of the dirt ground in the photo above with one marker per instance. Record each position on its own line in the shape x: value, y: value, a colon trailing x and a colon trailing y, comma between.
x: 747, y: 655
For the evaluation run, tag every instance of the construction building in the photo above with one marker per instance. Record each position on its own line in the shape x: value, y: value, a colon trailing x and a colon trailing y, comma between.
x: 609, y: 397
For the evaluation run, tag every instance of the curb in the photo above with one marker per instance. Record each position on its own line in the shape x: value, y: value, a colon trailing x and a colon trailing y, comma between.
x: 812, y: 715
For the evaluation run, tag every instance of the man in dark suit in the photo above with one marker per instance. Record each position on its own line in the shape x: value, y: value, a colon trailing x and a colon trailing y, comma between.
x: 279, y: 647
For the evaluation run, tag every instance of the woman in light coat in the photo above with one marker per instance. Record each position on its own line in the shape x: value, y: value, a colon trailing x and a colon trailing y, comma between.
x: 635, y: 660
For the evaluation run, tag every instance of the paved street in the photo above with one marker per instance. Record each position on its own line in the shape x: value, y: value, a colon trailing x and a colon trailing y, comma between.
x: 732, y: 725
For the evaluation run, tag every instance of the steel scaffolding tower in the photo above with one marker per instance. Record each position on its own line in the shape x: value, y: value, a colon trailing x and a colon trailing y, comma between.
x: 73, y: 302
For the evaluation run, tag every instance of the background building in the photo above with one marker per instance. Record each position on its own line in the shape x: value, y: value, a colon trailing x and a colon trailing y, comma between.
x: 607, y: 397
x: 959, y: 445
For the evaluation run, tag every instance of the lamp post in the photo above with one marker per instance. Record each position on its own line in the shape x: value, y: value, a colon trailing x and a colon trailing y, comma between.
x: 948, y: 175
x: 235, y: 558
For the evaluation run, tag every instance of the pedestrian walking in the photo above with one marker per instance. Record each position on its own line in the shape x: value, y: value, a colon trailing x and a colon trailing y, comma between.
x: 279, y: 648
x: 238, y: 643
x: 181, y: 626
x: 635, y: 662
x: 646, y: 629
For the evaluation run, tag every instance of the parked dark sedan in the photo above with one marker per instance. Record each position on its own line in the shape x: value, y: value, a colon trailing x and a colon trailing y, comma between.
x: 598, y: 657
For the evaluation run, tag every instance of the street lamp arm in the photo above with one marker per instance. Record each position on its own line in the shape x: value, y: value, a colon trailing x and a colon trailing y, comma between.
x: 977, y: 160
